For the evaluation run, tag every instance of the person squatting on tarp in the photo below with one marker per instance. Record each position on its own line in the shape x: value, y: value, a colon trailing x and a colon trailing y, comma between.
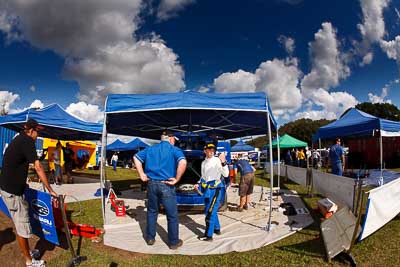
x: 246, y: 184
x: 336, y: 157
x: 213, y: 169
x: 19, y: 155
x: 164, y: 167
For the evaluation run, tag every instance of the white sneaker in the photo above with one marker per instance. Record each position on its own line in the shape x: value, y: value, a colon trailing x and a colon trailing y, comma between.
x: 36, y: 263
x: 35, y: 254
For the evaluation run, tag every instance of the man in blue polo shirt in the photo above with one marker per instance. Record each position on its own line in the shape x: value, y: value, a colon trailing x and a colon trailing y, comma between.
x: 336, y: 157
x: 246, y: 182
x: 164, y: 167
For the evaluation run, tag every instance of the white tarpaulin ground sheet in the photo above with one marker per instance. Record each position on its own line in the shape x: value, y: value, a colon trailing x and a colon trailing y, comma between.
x: 338, y: 188
x: 82, y: 189
x: 241, y: 231
x: 374, y: 175
x: 383, y: 205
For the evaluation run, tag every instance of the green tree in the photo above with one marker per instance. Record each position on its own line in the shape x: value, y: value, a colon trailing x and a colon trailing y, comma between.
x: 302, y: 129
x: 381, y: 110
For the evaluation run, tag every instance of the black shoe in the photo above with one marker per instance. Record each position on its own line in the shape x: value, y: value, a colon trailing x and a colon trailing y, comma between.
x: 177, y: 245
x: 150, y: 242
x: 217, y: 232
x: 246, y: 207
x: 205, y: 238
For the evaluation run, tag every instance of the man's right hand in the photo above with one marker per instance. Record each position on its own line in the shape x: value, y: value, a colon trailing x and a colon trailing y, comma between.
x: 196, y: 187
x: 144, y: 178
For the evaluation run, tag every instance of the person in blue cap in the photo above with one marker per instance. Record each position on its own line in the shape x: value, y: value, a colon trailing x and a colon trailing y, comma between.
x: 210, y: 185
x: 336, y: 157
x: 164, y: 165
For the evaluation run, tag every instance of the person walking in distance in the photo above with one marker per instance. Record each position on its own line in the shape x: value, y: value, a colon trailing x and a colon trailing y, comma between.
x: 18, y: 156
x: 336, y: 157
x: 164, y: 166
x: 114, y: 161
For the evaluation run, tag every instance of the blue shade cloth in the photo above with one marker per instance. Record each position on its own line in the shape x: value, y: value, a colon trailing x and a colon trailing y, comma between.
x: 226, y: 115
x: 135, y: 144
x: 57, y: 123
x: 355, y: 123
x: 240, y: 146
x: 117, y: 145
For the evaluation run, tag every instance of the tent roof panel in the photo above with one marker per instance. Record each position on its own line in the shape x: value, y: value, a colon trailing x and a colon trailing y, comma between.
x: 227, y: 115
x: 57, y: 124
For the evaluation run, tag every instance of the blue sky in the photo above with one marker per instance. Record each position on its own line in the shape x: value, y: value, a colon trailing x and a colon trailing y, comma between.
x: 313, y: 58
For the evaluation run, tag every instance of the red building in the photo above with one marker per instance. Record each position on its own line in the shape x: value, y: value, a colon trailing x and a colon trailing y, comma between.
x: 364, y: 152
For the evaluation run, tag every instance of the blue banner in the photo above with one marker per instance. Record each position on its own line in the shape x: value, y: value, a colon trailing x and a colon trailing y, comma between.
x: 225, y: 147
x: 40, y: 214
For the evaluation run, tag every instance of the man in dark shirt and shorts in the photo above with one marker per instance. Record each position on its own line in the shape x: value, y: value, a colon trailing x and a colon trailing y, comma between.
x: 19, y: 155
x: 246, y: 182
x: 68, y: 162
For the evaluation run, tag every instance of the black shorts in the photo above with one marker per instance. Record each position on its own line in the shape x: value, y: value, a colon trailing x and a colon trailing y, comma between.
x: 68, y: 167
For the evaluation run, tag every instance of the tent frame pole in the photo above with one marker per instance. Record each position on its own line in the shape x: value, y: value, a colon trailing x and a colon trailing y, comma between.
x: 271, y: 172
x: 279, y: 159
x: 103, y: 166
x: 381, y: 155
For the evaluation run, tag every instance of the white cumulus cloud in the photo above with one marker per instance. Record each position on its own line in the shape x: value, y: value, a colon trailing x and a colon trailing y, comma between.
x: 279, y: 79
x: 37, y: 104
x: 86, y: 112
x: 392, y: 49
x: 6, y: 100
x: 288, y: 43
x: 170, y: 8
x: 240, y: 81
x: 330, y: 105
x: 328, y: 67
x: 372, y: 27
x: 98, y: 40
x: 380, y: 99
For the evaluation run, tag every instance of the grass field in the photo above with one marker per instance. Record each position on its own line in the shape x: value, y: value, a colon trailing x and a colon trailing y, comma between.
x: 304, y: 248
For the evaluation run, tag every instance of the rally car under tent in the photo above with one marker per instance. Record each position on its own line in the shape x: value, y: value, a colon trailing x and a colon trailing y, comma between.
x: 215, y: 115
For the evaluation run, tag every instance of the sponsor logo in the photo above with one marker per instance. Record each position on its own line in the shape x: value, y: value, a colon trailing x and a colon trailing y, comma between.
x: 46, y: 232
x: 43, y: 220
x: 39, y: 207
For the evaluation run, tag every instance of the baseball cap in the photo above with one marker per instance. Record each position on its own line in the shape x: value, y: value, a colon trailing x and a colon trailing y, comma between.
x: 169, y: 133
x: 209, y: 146
x: 33, y: 124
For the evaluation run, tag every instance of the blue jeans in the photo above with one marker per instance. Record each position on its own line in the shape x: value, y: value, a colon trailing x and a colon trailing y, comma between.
x: 114, y: 163
x: 211, y: 211
x: 158, y: 192
x: 337, y: 168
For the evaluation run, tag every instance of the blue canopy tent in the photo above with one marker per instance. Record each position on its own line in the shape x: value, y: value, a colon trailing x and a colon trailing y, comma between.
x: 358, y: 123
x: 224, y: 115
x: 117, y: 145
x: 240, y: 146
x: 136, y: 144
x: 57, y: 123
